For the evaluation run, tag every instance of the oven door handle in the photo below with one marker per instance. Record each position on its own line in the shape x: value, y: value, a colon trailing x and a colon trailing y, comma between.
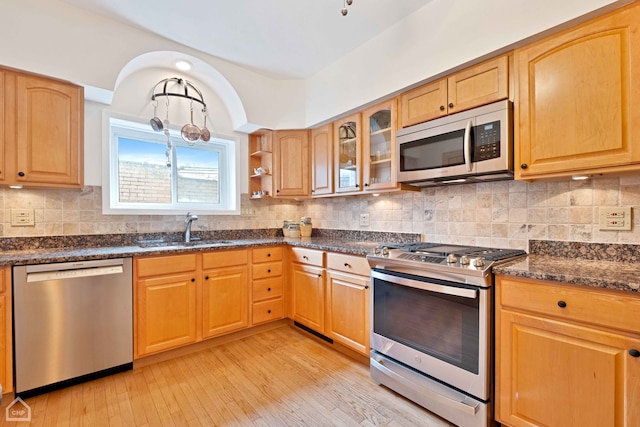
x: 427, y: 286
x: 467, y: 145
x: 460, y: 406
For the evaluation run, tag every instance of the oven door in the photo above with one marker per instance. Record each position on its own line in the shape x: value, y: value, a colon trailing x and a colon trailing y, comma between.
x: 439, y: 328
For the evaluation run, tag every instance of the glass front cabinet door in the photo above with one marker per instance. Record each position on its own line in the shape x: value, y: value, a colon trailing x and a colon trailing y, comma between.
x: 379, y: 146
x: 348, y: 155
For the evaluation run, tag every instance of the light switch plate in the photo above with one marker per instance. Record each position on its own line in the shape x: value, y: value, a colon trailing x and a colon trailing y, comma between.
x: 23, y: 217
x: 614, y: 218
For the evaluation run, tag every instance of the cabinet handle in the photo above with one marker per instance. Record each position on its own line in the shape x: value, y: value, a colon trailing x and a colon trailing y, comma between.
x: 268, y: 311
x: 305, y: 257
x: 634, y: 353
x: 347, y: 265
x: 451, y: 105
x: 366, y: 287
x: 20, y: 173
x: 193, y: 279
x: 562, y: 304
x: 442, y: 108
x: 524, y: 166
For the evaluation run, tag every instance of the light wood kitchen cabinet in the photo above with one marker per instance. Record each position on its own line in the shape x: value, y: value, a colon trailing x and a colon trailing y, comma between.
x: 6, y: 332
x: 322, y: 160
x: 165, y: 302
x: 261, y: 164
x: 574, y: 349
x: 291, y: 163
x: 43, y: 131
x: 578, y: 96
x: 225, y: 292
x: 308, y: 288
x: 267, y: 285
x: 348, y: 301
x: 348, y: 154
x: 480, y: 84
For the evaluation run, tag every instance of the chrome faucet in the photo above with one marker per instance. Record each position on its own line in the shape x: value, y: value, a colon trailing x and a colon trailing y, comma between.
x: 187, y: 231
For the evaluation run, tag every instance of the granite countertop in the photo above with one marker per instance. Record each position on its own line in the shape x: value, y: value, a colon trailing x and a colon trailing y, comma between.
x: 607, y: 266
x: 39, y: 252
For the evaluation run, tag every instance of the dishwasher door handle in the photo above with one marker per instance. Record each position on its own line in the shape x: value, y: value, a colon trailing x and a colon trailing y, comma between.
x: 42, y: 276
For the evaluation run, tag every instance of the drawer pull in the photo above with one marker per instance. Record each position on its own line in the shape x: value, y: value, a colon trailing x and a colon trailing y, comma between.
x: 268, y: 311
x: 206, y: 277
x: 268, y: 289
x: 319, y: 275
x: 305, y: 257
x: 562, y: 304
x: 193, y: 280
x: 268, y: 255
x: 366, y: 287
x: 346, y: 264
x: 269, y: 271
x: 634, y: 353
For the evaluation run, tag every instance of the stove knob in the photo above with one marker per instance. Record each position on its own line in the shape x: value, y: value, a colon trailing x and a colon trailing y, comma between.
x: 385, y: 251
x: 451, y: 258
x: 478, y: 262
x: 376, y: 251
x: 464, y: 260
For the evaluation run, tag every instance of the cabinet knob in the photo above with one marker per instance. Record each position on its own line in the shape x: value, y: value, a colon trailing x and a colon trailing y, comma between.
x: 268, y: 311
x: 346, y: 264
x: 268, y: 289
x: 206, y: 277
x: 305, y: 257
x: 268, y: 255
x: 562, y: 304
x: 451, y: 105
x: 313, y: 191
x: 193, y: 279
x: 269, y: 271
x: 524, y: 166
x: 366, y: 287
x: 20, y: 173
x: 366, y: 184
x: 319, y: 275
x: 634, y: 352
x: 277, y: 191
x: 442, y: 108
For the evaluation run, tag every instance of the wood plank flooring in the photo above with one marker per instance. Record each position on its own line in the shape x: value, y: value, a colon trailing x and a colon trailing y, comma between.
x: 279, y: 377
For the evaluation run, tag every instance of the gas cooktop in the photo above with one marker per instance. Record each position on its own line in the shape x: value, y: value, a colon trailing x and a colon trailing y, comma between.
x: 425, y: 256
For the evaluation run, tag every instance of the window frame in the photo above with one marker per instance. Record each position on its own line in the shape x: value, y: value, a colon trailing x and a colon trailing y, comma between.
x: 228, y: 170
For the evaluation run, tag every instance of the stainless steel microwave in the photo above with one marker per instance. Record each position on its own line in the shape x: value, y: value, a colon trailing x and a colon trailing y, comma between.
x: 471, y: 146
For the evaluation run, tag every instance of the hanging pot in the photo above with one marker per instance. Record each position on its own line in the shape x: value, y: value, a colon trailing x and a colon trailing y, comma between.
x: 155, y: 122
x: 205, y: 135
x: 190, y: 132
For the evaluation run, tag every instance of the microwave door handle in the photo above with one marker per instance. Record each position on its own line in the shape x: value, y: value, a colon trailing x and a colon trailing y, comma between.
x: 467, y: 146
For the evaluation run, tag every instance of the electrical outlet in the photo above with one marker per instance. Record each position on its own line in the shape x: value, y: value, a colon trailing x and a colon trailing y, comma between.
x: 23, y: 217
x: 614, y: 218
x: 364, y: 220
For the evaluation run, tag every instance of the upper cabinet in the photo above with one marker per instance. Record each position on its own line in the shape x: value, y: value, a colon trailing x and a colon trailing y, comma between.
x: 578, y: 97
x: 322, y: 160
x: 43, y: 131
x: 478, y: 85
x: 291, y: 163
x: 348, y: 154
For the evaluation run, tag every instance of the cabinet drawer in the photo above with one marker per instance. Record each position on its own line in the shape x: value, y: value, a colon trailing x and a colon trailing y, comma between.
x: 348, y: 263
x: 267, y: 254
x: 268, y: 310
x: 224, y: 258
x: 308, y: 256
x: 270, y: 269
x: 600, y: 307
x: 267, y: 288
x: 154, y: 266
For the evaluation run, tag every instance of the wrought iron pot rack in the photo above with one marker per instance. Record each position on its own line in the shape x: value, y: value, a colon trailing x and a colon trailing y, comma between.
x: 181, y: 83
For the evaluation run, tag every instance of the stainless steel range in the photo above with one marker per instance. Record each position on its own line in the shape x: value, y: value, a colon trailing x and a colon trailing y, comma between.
x: 432, y: 326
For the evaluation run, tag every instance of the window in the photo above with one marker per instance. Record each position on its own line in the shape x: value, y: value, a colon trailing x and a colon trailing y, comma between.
x: 147, y: 175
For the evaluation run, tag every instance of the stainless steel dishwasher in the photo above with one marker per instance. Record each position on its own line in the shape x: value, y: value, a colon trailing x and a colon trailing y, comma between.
x: 73, y: 322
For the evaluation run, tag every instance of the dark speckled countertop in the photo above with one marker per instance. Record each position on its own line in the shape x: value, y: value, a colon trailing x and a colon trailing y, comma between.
x: 67, y: 249
x: 600, y: 265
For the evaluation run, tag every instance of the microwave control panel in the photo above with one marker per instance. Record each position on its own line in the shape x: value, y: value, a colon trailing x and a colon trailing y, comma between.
x: 487, y: 141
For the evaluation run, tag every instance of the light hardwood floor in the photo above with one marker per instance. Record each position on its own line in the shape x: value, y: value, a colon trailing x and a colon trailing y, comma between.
x: 279, y: 377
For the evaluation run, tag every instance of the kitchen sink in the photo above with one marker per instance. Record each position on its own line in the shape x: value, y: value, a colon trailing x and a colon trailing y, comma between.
x: 191, y: 244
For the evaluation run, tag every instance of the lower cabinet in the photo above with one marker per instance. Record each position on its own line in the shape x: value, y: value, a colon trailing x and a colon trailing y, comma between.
x: 225, y: 290
x: 308, y: 296
x: 566, y: 355
x: 6, y: 336
x: 165, y: 303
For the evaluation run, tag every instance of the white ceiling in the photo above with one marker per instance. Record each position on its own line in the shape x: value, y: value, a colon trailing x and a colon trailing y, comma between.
x: 287, y: 39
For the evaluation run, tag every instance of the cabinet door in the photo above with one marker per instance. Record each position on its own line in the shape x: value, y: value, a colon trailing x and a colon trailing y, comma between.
x: 378, y: 146
x: 478, y: 85
x: 291, y: 150
x: 578, y: 98
x: 348, y: 310
x: 225, y: 300
x: 556, y: 374
x: 2, y: 137
x: 49, y: 131
x: 424, y: 103
x: 308, y: 296
x: 348, y: 155
x: 322, y: 160
x: 165, y: 312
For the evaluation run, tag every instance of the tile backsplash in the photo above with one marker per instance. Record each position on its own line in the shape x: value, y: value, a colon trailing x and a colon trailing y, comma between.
x: 503, y: 214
